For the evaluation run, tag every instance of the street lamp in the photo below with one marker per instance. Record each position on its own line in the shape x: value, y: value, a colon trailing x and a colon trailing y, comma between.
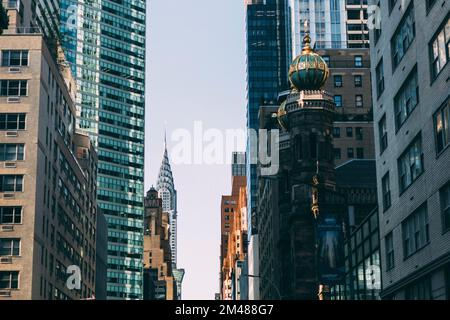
x: 268, y: 280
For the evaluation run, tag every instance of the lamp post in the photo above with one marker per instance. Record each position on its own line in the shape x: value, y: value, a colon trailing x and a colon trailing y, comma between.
x: 268, y: 280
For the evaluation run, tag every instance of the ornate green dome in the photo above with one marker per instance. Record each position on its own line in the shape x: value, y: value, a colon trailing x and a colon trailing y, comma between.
x: 308, y: 71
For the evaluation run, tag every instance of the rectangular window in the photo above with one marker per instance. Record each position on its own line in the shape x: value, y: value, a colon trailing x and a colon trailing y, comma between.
x: 440, y: 49
x: 359, y: 133
x: 338, y: 101
x: 12, y: 121
x: 358, y: 62
x: 9, y: 247
x: 415, y: 231
x: 9, y: 280
x: 390, y: 257
x: 441, y: 127
x: 10, y: 215
x: 379, y: 72
x: 358, y: 81
x: 358, y: 101
x: 382, y: 131
x: 350, y: 153
x: 14, y: 58
x: 336, y: 132
x: 419, y: 290
x: 386, y: 188
x: 406, y: 99
x: 349, y: 131
x: 337, y: 153
x: 403, y: 36
x: 410, y: 164
x: 338, y: 81
x: 11, y: 152
x: 11, y: 183
x: 14, y: 88
x: 445, y: 207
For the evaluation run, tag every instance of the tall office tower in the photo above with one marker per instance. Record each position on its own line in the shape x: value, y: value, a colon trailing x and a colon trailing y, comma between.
x: 357, y: 28
x: 268, y: 58
x: 410, y: 77
x: 104, y: 41
x: 159, y: 282
x: 334, y: 23
x: 166, y: 190
x: 350, y: 85
x: 232, y: 237
x: 48, y: 207
x: 238, y: 160
x: 327, y: 20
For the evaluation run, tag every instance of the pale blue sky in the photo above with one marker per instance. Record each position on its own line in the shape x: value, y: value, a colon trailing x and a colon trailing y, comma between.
x: 195, y: 72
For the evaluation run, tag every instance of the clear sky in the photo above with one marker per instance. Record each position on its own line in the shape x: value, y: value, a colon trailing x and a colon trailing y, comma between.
x: 195, y: 72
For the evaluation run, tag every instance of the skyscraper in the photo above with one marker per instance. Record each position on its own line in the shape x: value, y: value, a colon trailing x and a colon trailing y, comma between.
x: 410, y: 73
x: 104, y: 41
x: 167, y: 192
x: 333, y: 23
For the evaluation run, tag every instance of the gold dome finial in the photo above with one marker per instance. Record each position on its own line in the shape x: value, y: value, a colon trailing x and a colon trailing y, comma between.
x: 307, y: 39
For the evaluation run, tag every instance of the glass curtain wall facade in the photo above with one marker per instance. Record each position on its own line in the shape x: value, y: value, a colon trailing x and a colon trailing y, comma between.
x: 268, y: 59
x: 104, y: 41
x: 327, y: 20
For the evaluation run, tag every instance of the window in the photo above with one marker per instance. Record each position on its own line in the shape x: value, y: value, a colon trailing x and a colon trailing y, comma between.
x: 349, y: 132
x: 9, y: 280
x: 441, y: 127
x: 358, y: 62
x: 326, y: 59
x: 420, y: 290
x: 390, y: 257
x: 379, y: 71
x: 410, y: 164
x: 359, y: 133
x: 445, y: 207
x: 11, y: 183
x: 403, y: 36
x: 298, y: 147
x: 350, y: 153
x: 358, y: 101
x: 14, y: 88
x: 358, y: 81
x: 14, y: 58
x: 382, y: 131
x: 336, y: 132
x: 12, y: 121
x: 338, y: 101
x: 415, y: 231
x: 338, y: 81
x: 337, y: 153
x: 9, y: 247
x: 386, y: 188
x: 360, y: 153
x: 11, y: 152
x: 10, y: 215
x: 440, y: 49
x: 406, y: 99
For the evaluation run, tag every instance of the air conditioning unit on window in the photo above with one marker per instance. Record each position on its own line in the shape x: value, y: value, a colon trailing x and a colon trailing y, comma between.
x: 15, y: 70
x: 7, y: 228
x: 11, y: 133
x: 5, y: 260
x: 10, y: 165
x: 8, y: 196
x: 13, y: 100
x: 5, y: 293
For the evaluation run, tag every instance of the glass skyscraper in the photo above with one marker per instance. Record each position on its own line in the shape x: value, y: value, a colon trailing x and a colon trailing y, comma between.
x: 268, y: 59
x: 104, y: 41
